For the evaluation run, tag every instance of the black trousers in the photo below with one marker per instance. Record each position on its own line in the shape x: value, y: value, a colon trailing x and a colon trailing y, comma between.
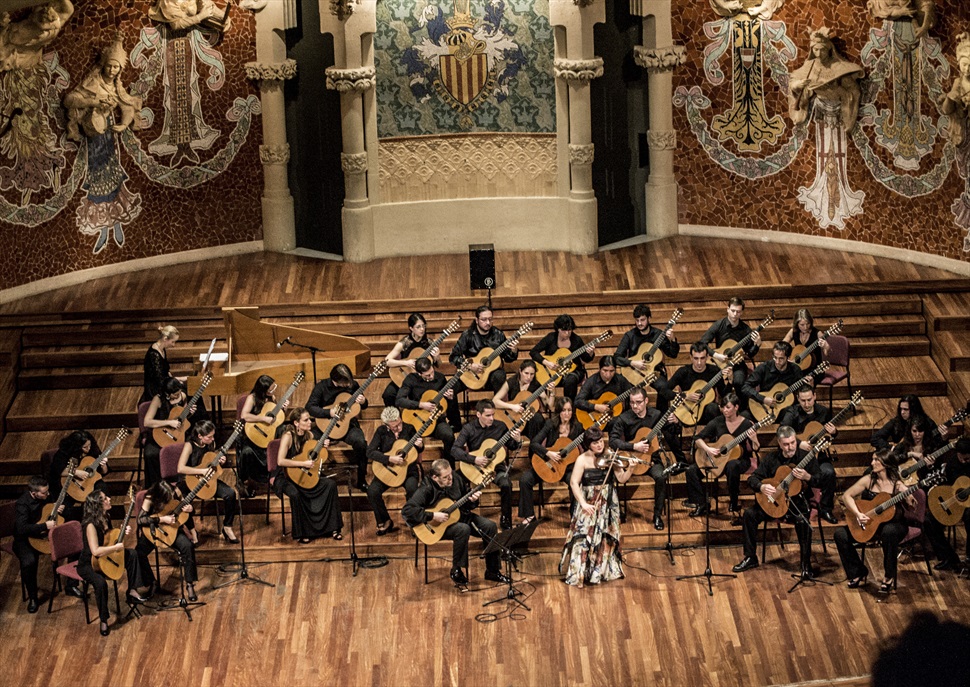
x: 376, y: 489
x: 732, y: 475
x: 182, y: 546
x: 137, y: 568
x: 754, y: 516
x: 461, y: 531
x: 936, y: 533
x: 890, y: 534
x: 29, y: 558
x: 355, y: 439
x: 446, y: 435
x: 527, y: 484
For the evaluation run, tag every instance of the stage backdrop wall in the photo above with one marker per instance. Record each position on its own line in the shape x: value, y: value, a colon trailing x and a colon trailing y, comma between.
x: 895, y: 180
x: 187, y: 178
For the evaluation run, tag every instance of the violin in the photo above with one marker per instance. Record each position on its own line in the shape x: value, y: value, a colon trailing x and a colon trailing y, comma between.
x: 618, y: 462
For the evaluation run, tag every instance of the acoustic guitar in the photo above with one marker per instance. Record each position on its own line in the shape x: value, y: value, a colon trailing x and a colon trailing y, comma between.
x: 210, y: 462
x: 957, y: 417
x: 802, y: 355
x: 494, y: 450
x: 568, y: 449
x: 786, y: 485
x: 728, y: 448
x: 418, y: 417
x: 431, y: 532
x: 491, y: 358
x: 398, y: 373
x: 349, y: 402
x: 731, y: 347
x: 49, y: 512
x: 527, y: 400
x: 394, y: 475
x: 79, y: 489
x: 112, y: 566
x: 307, y: 478
x: 613, y: 402
x: 261, y: 433
x: 564, y: 359
x: 882, y: 508
x: 783, y: 395
x: 160, y: 532
x: 689, y: 412
x: 651, y: 435
x: 947, y: 503
x: 650, y: 354
x: 908, y: 470
x: 816, y: 430
x: 166, y: 436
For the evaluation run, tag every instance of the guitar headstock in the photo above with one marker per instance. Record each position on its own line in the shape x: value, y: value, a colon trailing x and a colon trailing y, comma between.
x: 957, y: 416
x: 380, y: 369
x: 206, y: 378
x: 766, y: 420
x: 71, y: 467
x: 678, y: 313
x: 856, y: 399
x: 123, y: 433
x: 736, y: 360
x: 822, y: 444
x: 237, y: 427
x: 435, y: 414
x: 131, y: 493
x: 677, y: 402
x: 934, y: 478
x: 601, y: 422
x: 527, y: 415
x: 453, y: 327
x: 298, y: 378
x: 338, y: 412
x: 464, y: 367
x: 524, y: 329
x: 647, y: 379
x: 820, y: 368
x: 834, y: 329
x: 608, y: 334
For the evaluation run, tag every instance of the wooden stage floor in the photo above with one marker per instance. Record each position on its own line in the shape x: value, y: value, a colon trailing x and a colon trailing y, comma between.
x: 320, y: 625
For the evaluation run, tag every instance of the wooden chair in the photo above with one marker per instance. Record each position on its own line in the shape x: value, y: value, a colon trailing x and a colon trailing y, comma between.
x: 66, y: 541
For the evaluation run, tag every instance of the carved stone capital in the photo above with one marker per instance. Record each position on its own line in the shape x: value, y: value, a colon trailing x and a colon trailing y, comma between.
x: 342, y: 9
x: 579, y: 70
x: 271, y: 71
x: 359, y: 79
x: 660, y: 59
x: 662, y: 140
x: 278, y: 154
x: 581, y: 154
x: 353, y: 163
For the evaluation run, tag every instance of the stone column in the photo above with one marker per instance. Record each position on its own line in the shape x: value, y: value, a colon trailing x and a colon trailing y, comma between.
x: 353, y: 76
x: 578, y: 74
x: 270, y: 70
x: 661, y: 187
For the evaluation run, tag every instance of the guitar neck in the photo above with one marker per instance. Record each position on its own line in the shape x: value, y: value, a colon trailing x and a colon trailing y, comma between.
x: 926, y: 460
x: 105, y: 453
x: 712, y: 383
x: 661, y: 423
x: 124, y: 523
x: 622, y: 397
x: 72, y: 466
x: 500, y: 349
x: 464, y: 499
x: 886, y: 505
x: 744, y: 436
x: 447, y: 387
x: 801, y: 466
x: 286, y: 397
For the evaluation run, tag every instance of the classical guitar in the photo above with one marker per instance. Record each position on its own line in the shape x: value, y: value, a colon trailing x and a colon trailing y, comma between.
x: 564, y: 359
x: 307, y: 478
x: 398, y: 373
x: 783, y: 395
x: 210, y: 462
x: 613, y: 402
x: 431, y: 532
x: 261, y: 433
x: 162, y: 532
x: 494, y: 450
x: 816, y: 430
x: 349, y: 402
x: 568, y: 450
x: 957, y: 417
x: 802, y: 355
x: 947, y: 503
x: 650, y: 354
x: 491, y: 358
x: 730, y: 347
x: 651, y: 435
x: 418, y: 417
x: 49, y: 512
x: 527, y: 400
x: 394, y: 475
x: 79, y: 489
x: 166, y: 436
x: 882, y: 508
x: 112, y: 566
x: 908, y: 470
x: 728, y: 448
x: 689, y: 412
x: 786, y: 485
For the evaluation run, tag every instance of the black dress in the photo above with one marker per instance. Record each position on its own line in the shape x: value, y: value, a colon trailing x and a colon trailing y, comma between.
x: 137, y: 568
x: 315, y: 511
x: 156, y: 372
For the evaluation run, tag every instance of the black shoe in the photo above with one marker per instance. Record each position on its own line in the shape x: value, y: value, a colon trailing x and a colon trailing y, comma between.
x: 736, y: 521
x: 827, y: 516
x: 105, y: 630
x: 809, y: 572
x: 506, y: 523
x: 948, y: 564
x: 690, y: 504
x: 190, y: 588
x: 32, y: 605
x: 74, y: 591
x: 361, y: 485
x: 700, y: 511
x: 658, y: 522
x: 747, y: 563
x: 458, y: 577
x: 734, y: 507
x: 495, y: 576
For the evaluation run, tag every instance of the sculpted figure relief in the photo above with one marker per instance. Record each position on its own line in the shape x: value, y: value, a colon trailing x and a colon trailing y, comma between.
x: 956, y: 103
x: 760, y: 9
x: 184, y: 14
x: 922, y: 12
x: 828, y: 76
x: 22, y: 43
x: 101, y: 98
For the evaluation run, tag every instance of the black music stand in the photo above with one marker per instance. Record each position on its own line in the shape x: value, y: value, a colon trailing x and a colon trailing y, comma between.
x: 708, y: 573
x: 357, y: 562
x: 803, y: 579
x: 505, y: 542
x: 243, y: 573
x: 183, y: 604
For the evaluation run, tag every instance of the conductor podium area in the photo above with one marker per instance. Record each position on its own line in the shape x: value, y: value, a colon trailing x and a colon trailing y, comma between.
x: 75, y: 362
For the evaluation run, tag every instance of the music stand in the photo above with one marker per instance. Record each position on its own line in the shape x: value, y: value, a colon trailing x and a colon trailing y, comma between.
x: 708, y: 573
x: 357, y: 562
x: 802, y: 579
x: 243, y: 573
x: 505, y: 542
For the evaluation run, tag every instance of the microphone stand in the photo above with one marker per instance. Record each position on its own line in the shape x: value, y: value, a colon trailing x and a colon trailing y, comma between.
x: 313, y: 354
x: 804, y: 579
x: 357, y: 562
x: 708, y: 573
x: 243, y: 574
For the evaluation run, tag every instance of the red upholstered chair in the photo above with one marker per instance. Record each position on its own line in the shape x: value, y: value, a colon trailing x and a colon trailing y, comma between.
x: 46, y: 458
x: 141, y: 439
x: 240, y: 402
x: 839, y: 359
x: 169, y: 460
x: 66, y: 542
x: 8, y: 527
x: 272, y: 462
x: 914, y: 536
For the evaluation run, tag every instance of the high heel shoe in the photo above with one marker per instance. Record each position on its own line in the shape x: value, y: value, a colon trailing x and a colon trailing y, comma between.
x: 134, y: 598
x: 190, y: 588
x: 232, y: 540
x: 859, y: 581
x: 887, y: 586
x: 105, y: 630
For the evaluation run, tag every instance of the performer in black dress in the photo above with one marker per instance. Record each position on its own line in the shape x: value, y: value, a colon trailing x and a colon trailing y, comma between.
x: 156, y: 362
x: 156, y: 499
x: 803, y: 332
x: 894, y: 431
x: 250, y: 458
x: 201, y: 440
x: 172, y: 394
x: 562, y: 424
x: 322, y: 398
x: 524, y: 380
x: 77, y: 445
x: 315, y: 511
x: 417, y: 337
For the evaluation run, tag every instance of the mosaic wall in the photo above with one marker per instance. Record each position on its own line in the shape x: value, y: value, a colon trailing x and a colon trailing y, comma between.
x: 897, y: 178
x: 464, y: 66
x: 187, y: 175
